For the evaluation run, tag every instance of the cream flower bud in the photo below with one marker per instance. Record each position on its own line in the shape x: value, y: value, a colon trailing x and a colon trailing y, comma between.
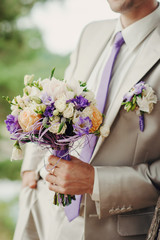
x: 104, y: 131
x: 55, y: 119
x: 40, y: 108
x: 27, y: 90
x: 18, y: 100
x: 60, y: 104
x: 88, y: 112
x: 90, y: 97
x: 55, y: 128
x: 17, y: 153
x: 36, y: 99
x: 28, y: 79
x: 55, y: 112
x: 68, y: 112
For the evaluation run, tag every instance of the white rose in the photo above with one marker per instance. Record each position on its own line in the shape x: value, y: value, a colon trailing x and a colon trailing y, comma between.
x: 104, y: 131
x: 88, y: 112
x: 54, y: 87
x: 28, y: 79
x: 55, y: 127
x: 68, y: 113
x: 17, y: 153
x: 60, y: 104
x: 144, y: 105
x: 149, y: 94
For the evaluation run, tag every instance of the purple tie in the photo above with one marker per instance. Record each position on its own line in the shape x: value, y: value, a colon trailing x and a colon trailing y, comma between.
x: 72, y: 211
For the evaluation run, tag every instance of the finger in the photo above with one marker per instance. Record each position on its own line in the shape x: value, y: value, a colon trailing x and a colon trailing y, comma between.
x: 57, y: 189
x: 49, y: 168
x: 53, y: 159
x: 51, y: 178
x: 56, y: 161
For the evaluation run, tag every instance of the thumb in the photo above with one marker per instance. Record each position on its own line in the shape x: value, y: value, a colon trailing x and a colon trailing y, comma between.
x: 33, y: 184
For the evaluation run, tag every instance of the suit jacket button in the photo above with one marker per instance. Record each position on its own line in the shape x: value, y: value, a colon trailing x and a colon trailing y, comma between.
x: 123, y: 209
x: 129, y: 208
x: 111, y: 211
x: 117, y: 210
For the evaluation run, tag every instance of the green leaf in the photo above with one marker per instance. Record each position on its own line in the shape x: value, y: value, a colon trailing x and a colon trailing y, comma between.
x: 69, y: 199
x: 85, y: 90
x: 83, y: 84
x: 134, y: 99
x: 133, y: 107
x: 123, y: 103
x: 128, y: 106
x: 7, y: 99
x: 73, y: 197
x: 52, y: 73
x: 61, y: 126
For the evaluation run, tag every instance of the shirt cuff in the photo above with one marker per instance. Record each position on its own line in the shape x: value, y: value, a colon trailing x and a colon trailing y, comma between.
x: 95, y: 194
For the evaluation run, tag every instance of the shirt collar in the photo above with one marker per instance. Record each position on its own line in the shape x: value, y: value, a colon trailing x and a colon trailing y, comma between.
x: 135, y: 33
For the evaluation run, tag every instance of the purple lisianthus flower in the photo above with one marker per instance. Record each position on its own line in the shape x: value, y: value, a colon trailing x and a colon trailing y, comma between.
x: 49, y: 110
x: 136, y: 90
x: 47, y: 100
x: 12, y: 123
x: 82, y: 126
x: 80, y: 102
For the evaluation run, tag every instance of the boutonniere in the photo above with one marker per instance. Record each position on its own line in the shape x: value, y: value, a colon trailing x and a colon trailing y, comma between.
x: 141, y: 99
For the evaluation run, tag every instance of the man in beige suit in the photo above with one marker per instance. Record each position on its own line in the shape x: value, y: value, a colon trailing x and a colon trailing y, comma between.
x: 121, y: 184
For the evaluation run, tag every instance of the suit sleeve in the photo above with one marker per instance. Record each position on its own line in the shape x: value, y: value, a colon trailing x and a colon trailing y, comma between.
x: 123, y: 189
x: 33, y: 155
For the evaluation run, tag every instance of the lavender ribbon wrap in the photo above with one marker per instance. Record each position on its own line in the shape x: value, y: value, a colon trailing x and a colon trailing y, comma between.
x: 62, y: 199
x: 141, y: 122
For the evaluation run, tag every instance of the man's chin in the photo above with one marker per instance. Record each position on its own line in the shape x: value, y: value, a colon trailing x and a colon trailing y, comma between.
x: 120, y: 6
x: 115, y: 5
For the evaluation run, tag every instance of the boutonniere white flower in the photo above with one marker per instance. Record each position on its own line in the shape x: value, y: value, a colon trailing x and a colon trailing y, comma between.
x: 141, y: 99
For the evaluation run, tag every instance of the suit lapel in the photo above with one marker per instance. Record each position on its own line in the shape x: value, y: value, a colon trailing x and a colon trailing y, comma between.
x: 85, y: 65
x: 142, y: 64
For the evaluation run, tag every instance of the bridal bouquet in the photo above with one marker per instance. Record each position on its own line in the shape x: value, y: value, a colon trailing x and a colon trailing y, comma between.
x: 53, y: 114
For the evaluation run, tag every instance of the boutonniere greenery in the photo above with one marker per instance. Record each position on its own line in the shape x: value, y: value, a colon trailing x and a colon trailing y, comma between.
x: 141, y: 99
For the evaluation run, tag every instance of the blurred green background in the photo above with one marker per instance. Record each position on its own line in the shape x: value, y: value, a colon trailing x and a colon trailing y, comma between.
x: 21, y: 52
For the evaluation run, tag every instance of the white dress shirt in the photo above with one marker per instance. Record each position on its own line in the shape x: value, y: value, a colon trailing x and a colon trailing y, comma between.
x: 135, y: 37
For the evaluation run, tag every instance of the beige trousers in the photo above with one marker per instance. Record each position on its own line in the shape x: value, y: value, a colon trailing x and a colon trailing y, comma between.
x: 39, y: 219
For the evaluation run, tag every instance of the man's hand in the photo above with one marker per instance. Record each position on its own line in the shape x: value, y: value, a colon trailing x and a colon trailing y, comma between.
x: 29, y: 179
x: 72, y: 177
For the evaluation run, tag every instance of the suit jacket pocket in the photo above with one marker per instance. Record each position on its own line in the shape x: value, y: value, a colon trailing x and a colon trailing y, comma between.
x: 134, y: 224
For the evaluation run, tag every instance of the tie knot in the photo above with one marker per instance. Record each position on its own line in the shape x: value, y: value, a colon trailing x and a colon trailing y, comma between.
x: 118, y: 41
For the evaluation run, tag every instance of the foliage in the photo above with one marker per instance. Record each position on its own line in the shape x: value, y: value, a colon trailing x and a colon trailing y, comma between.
x: 7, y: 221
x: 38, y: 63
x: 10, y: 170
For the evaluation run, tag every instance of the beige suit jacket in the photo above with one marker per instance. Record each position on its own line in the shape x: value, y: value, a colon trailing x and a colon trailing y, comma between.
x: 128, y: 160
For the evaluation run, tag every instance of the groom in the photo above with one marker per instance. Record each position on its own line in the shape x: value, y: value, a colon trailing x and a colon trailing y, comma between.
x: 120, y: 183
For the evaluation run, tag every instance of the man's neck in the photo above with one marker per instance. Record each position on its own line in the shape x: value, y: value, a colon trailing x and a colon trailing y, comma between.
x: 139, y: 12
